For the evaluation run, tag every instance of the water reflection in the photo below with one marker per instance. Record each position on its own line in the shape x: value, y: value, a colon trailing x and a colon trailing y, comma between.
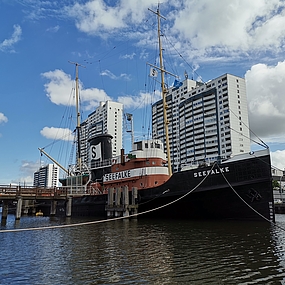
x: 145, y: 252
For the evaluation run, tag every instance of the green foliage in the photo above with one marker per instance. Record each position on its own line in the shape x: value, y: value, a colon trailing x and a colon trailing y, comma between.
x: 275, y: 184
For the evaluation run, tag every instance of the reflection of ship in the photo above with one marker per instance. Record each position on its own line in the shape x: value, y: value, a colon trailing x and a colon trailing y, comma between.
x: 237, y: 188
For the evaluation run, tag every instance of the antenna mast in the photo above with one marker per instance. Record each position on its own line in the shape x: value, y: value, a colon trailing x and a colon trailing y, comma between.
x: 163, y: 89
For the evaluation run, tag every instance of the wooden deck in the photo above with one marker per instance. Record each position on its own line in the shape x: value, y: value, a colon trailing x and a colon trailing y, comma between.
x: 32, y: 193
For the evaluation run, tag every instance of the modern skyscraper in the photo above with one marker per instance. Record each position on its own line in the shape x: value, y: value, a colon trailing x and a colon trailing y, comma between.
x: 207, y: 121
x: 47, y: 176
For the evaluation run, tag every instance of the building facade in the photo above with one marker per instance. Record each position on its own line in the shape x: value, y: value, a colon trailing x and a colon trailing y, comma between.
x: 47, y: 176
x: 207, y: 121
x: 106, y: 119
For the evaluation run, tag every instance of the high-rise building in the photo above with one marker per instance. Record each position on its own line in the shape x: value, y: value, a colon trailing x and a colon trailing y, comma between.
x: 207, y: 121
x: 47, y: 176
x: 106, y: 119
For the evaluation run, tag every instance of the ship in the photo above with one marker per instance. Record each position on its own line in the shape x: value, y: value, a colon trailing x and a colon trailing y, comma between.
x: 141, y: 183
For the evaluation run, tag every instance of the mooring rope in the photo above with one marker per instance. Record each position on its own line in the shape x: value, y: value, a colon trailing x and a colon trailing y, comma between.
x: 145, y: 212
x: 111, y: 219
x: 263, y: 217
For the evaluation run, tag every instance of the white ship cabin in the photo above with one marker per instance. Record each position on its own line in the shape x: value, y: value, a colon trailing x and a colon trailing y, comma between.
x: 149, y: 148
x: 143, y: 149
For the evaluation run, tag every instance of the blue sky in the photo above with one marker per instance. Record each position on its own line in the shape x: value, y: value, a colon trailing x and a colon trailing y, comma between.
x: 114, y: 40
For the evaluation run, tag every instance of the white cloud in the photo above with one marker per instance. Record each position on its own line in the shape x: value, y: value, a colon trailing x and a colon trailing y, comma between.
x: 3, y: 118
x: 27, y: 170
x: 53, y: 29
x: 139, y: 101
x: 223, y: 27
x: 57, y: 133
x: 8, y: 44
x: 95, y: 17
x: 115, y: 77
x: 36, y: 10
x: 278, y: 158
x: 265, y: 92
x: 128, y: 56
x: 203, y: 28
x: 61, y: 90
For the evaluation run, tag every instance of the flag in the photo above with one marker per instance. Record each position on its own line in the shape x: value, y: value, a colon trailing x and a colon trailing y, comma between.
x: 95, y: 151
x: 177, y: 83
x: 153, y: 72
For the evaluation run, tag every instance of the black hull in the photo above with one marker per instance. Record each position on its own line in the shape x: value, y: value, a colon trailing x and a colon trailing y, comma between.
x: 245, y: 194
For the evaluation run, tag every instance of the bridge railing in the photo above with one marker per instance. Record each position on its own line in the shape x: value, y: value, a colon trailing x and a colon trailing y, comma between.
x: 32, y: 191
x: 6, y: 190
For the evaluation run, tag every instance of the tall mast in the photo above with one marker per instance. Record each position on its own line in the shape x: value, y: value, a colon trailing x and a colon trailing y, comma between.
x: 131, y: 128
x: 163, y: 90
x: 77, y: 113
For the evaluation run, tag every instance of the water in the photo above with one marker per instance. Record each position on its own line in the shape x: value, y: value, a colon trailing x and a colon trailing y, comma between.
x: 143, y: 252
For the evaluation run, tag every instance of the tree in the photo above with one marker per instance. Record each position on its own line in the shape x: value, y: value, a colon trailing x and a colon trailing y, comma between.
x: 275, y: 184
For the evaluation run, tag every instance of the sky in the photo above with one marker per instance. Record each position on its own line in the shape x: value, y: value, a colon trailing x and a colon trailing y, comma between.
x: 112, y: 41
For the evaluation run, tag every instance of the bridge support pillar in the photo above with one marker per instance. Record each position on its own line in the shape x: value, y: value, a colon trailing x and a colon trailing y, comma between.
x: 53, y: 207
x: 5, y: 208
x: 68, y: 206
x: 118, y: 196
x: 135, y: 200
x: 19, y: 208
x: 126, y: 201
x: 26, y: 207
x: 110, y: 202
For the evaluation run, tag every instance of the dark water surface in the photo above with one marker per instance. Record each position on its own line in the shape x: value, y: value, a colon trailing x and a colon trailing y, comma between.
x: 143, y: 252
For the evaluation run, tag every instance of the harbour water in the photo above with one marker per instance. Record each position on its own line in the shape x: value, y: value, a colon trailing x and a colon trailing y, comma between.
x: 143, y: 252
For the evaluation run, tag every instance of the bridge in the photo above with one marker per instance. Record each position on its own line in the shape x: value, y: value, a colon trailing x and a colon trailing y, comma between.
x: 32, y: 193
x: 18, y: 194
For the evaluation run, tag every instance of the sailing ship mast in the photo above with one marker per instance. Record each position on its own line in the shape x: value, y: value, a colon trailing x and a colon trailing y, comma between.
x: 163, y: 89
x: 79, y: 163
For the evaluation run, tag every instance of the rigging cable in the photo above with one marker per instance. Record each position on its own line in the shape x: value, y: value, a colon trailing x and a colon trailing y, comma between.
x: 193, y: 70
x: 263, y: 143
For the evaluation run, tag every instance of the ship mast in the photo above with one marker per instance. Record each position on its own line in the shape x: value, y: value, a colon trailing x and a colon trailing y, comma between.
x: 163, y: 90
x: 77, y: 114
x: 77, y: 127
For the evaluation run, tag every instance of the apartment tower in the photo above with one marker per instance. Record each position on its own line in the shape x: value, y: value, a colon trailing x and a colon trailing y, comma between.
x: 106, y: 119
x: 207, y: 121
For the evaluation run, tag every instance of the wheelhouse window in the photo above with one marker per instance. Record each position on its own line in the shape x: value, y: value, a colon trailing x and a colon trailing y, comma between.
x: 139, y: 145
